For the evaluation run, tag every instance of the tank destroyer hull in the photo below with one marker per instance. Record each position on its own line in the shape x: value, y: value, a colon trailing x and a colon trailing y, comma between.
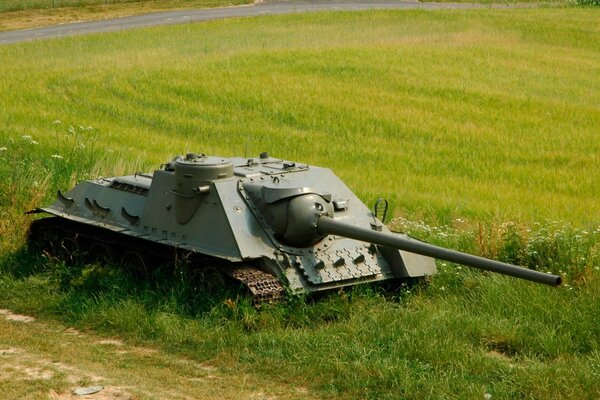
x: 220, y: 208
x: 273, y: 224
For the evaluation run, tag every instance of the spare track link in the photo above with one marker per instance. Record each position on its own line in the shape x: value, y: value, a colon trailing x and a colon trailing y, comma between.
x: 264, y: 287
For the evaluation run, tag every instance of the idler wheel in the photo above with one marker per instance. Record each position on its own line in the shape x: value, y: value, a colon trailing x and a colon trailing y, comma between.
x: 212, y: 280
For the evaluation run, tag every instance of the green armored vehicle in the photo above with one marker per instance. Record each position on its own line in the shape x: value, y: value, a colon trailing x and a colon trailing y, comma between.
x: 273, y: 224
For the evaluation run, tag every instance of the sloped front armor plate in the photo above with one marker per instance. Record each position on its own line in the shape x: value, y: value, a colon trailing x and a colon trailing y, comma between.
x: 341, y: 265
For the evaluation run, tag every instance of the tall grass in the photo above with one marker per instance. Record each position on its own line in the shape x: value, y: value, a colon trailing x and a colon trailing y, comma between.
x: 552, y: 247
x: 481, y: 128
x: 33, y: 169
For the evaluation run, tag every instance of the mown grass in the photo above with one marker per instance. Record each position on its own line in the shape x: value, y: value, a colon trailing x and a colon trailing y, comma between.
x: 16, y: 14
x: 16, y: 5
x: 482, y: 124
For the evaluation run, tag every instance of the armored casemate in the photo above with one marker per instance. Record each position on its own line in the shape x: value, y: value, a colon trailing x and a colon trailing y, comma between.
x: 273, y: 224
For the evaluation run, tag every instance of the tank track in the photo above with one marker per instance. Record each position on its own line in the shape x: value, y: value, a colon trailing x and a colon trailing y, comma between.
x: 50, y: 234
x: 265, y: 288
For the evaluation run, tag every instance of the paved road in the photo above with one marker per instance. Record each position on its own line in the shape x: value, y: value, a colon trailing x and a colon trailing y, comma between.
x: 269, y: 7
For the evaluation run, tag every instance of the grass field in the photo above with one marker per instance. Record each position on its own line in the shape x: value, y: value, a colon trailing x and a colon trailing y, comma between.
x: 494, y: 116
x: 480, y: 126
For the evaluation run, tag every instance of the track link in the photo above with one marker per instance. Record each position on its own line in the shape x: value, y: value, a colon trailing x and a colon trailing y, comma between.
x: 264, y: 287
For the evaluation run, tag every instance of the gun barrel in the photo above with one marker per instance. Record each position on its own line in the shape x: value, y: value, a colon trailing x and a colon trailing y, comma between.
x: 326, y: 225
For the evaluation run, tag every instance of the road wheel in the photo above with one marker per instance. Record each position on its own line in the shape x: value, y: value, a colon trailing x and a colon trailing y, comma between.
x: 67, y: 249
x: 212, y: 280
x: 136, y: 263
x: 101, y: 253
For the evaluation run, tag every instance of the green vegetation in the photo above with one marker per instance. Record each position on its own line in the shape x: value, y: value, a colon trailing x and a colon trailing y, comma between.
x: 482, y: 124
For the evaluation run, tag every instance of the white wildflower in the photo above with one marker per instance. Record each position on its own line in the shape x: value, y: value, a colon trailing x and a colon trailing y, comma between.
x: 3, y: 149
x: 34, y: 142
x: 71, y: 129
x: 26, y: 137
x: 57, y: 156
x: 487, y: 396
x: 89, y: 128
x: 57, y: 122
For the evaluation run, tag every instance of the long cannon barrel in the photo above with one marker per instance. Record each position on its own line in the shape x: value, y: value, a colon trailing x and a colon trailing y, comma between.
x: 326, y: 225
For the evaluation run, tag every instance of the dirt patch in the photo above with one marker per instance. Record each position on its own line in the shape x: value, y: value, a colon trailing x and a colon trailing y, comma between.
x: 72, y: 331
x: 107, y: 393
x: 261, y: 396
x: 19, y: 365
x: 15, y: 371
x: 37, y: 373
x: 143, y: 351
x: 500, y: 356
x: 53, y: 360
x: 110, y: 342
x: 72, y: 374
x: 9, y: 351
x: 10, y: 316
